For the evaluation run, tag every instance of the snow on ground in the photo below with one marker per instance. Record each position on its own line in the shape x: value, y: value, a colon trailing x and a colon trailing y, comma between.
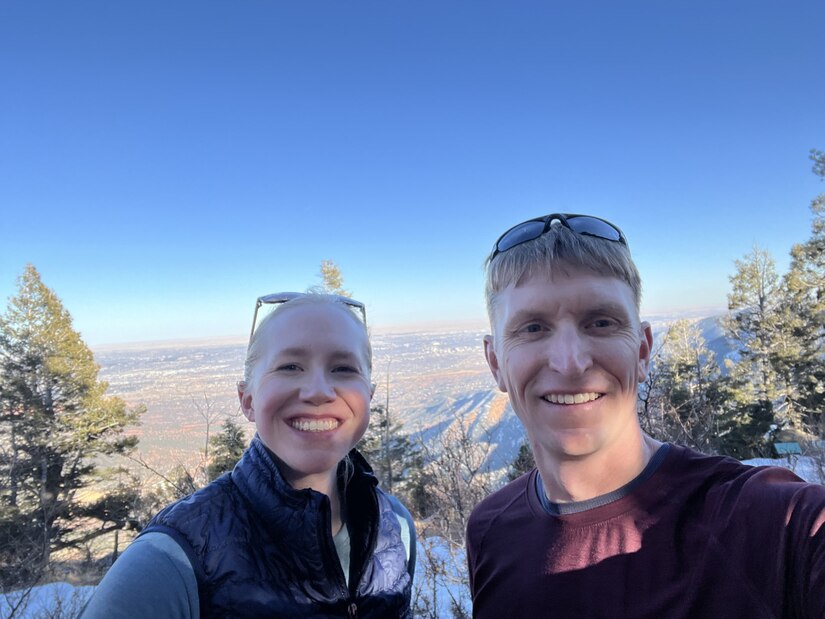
x: 440, y: 579
x: 58, y: 599
x: 808, y: 468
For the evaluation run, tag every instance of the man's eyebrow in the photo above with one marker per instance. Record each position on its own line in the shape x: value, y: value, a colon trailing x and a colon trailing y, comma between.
x: 611, y: 309
x: 523, y: 314
x: 608, y: 308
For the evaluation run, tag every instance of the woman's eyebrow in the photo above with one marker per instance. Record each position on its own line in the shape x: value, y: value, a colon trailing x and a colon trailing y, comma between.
x: 298, y: 351
x: 345, y: 355
x: 294, y: 351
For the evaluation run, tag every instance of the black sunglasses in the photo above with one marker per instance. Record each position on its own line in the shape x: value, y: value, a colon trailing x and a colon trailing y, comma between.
x: 285, y: 297
x: 580, y: 224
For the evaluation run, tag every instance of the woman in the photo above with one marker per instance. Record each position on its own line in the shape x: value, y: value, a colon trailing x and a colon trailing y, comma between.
x: 299, y: 527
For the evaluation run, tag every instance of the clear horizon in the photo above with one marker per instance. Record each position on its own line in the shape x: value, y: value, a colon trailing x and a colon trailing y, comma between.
x: 162, y: 165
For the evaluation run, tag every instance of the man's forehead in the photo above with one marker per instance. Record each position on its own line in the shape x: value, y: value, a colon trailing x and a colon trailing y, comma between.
x: 568, y: 277
x: 584, y: 288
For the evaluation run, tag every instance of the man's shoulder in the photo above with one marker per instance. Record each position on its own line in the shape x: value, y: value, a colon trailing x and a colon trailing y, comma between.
x: 781, y: 486
x: 728, y: 470
x: 731, y: 485
x: 720, y: 471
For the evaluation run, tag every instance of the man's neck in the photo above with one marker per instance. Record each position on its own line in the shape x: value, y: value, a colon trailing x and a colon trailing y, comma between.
x: 582, y: 478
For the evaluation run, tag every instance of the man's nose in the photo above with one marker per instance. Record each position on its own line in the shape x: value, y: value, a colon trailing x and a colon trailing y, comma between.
x: 568, y: 352
x: 317, y: 388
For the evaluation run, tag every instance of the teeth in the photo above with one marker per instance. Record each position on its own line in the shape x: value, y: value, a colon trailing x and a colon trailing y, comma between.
x: 571, y: 398
x: 314, y: 425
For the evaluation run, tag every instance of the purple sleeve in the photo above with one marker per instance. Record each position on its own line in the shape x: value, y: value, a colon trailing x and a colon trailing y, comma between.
x: 807, y: 518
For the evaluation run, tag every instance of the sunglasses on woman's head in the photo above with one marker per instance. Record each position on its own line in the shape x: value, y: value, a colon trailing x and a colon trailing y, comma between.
x: 285, y: 297
x: 534, y: 228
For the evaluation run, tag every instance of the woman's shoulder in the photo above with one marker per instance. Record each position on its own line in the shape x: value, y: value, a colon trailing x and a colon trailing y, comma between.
x: 406, y: 524
x: 193, y: 520
x: 396, y: 505
x: 152, y: 578
x: 206, y: 498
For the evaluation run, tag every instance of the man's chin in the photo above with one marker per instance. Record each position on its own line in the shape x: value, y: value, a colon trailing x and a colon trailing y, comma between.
x: 573, y: 445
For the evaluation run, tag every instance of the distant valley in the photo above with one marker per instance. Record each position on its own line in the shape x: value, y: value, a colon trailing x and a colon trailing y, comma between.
x: 431, y: 378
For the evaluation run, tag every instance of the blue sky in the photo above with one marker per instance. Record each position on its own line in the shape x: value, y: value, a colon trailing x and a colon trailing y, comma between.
x: 164, y: 163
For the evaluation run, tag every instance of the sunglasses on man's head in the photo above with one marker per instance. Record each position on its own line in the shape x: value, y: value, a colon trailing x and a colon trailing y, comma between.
x: 534, y: 228
x: 285, y: 297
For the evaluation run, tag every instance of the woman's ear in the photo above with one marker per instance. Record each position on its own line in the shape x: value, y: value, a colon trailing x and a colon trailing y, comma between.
x: 245, y: 398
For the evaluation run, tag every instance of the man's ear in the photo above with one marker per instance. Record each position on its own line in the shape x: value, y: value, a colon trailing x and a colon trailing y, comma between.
x: 492, y: 361
x: 645, y: 348
x: 245, y: 398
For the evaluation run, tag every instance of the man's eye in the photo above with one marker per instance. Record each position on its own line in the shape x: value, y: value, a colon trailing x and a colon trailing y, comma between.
x: 533, y: 328
x: 602, y: 323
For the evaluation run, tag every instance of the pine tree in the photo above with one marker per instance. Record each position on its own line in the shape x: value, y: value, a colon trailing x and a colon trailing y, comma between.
x: 804, y: 314
x: 332, y: 281
x: 227, y: 449
x: 388, y: 450
x: 55, y: 421
x: 818, y: 157
x: 524, y: 462
x: 690, y: 396
x: 756, y: 325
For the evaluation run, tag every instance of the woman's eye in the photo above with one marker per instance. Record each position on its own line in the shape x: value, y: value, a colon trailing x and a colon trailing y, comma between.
x: 288, y: 367
x: 345, y: 369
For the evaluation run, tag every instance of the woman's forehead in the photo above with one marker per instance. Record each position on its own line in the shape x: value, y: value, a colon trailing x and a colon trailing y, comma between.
x: 333, y: 316
x: 315, y: 327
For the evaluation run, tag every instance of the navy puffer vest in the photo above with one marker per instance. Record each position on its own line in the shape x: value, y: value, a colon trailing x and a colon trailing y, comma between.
x: 260, y: 548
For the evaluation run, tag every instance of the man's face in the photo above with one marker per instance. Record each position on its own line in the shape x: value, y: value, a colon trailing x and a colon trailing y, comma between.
x: 570, y: 351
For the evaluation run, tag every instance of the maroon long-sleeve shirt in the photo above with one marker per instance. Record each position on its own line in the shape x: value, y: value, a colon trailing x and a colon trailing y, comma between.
x: 702, y: 537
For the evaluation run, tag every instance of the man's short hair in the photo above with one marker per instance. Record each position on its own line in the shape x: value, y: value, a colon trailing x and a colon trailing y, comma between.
x: 559, y: 247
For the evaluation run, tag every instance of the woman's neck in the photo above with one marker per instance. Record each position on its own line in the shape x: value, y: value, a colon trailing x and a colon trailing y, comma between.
x: 325, y: 483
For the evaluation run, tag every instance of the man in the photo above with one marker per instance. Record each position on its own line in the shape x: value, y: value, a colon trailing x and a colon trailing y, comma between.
x: 613, y: 523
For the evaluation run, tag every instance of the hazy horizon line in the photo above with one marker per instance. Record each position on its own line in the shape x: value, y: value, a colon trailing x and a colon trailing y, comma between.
x: 417, y: 327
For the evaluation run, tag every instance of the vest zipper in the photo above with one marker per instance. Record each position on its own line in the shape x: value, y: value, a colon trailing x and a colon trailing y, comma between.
x: 352, y: 611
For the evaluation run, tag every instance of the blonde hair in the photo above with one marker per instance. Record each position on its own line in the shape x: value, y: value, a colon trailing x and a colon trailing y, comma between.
x: 256, y: 343
x: 558, y: 248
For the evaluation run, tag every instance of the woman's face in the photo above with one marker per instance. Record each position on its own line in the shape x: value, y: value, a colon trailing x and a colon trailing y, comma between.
x: 309, y: 393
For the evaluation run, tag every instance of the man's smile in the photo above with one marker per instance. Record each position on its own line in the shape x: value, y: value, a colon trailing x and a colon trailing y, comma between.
x: 571, y: 398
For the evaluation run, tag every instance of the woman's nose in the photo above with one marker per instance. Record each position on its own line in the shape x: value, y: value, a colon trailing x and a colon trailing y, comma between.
x: 317, y: 388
